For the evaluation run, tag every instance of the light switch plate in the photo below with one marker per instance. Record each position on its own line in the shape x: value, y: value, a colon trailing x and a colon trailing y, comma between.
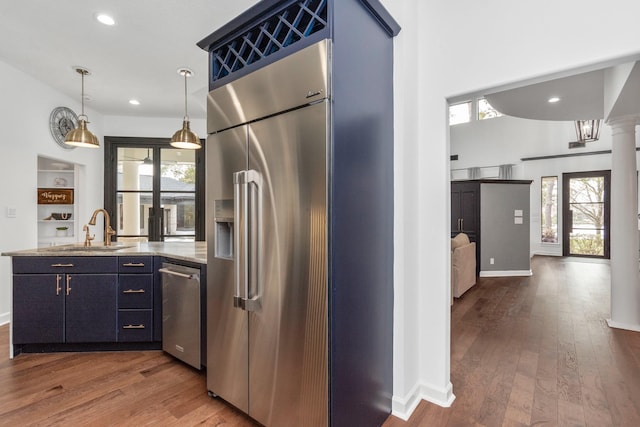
x: 517, y: 220
x: 11, y: 212
x: 517, y: 212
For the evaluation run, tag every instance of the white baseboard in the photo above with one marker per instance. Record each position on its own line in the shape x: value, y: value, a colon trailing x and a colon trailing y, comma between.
x: 5, y: 318
x: 618, y: 325
x: 547, y: 253
x: 506, y: 273
x: 404, y: 407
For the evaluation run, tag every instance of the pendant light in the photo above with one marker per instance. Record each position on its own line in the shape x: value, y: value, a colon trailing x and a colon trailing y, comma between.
x: 147, y: 160
x: 81, y: 136
x: 185, y: 137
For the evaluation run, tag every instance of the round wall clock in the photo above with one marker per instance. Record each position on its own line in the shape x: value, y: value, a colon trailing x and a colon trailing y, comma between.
x: 62, y: 121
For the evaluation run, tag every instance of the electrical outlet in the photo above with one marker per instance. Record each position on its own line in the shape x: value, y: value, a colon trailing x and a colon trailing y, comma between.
x: 492, y: 261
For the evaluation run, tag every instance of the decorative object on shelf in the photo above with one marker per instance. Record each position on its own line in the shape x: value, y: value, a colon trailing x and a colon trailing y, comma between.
x: 185, y: 137
x: 61, y: 231
x: 59, y: 182
x: 62, y: 120
x: 55, y: 196
x: 62, y: 216
x: 81, y: 136
x: 62, y: 166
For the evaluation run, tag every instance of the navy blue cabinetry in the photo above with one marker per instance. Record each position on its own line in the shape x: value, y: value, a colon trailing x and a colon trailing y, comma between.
x: 135, y: 299
x: 83, y: 303
x: 38, y: 308
x: 64, y: 300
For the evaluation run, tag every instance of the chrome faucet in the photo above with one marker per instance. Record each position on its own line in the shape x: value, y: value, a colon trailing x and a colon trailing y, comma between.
x: 108, y: 231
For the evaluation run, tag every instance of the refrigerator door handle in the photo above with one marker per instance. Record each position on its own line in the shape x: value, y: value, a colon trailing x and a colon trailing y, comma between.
x: 240, y: 231
x: 252, y: 291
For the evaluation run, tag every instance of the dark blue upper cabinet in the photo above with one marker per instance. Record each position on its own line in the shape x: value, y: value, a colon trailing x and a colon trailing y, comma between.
x: 273, y: 29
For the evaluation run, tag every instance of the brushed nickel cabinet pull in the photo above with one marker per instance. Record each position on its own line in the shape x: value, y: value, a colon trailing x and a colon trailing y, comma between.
x: 133, y: 291
x: 133, y: 264
x: 58, y: 288
x: 68, y: 281
x: 133, y: 327
x: 61, y: 265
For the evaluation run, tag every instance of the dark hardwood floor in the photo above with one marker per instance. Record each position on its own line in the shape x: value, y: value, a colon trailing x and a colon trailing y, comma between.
x: 538, y: 351
x: 525, y: 351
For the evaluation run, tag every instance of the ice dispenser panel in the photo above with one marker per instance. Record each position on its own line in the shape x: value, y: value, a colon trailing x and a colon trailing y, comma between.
x: 223, y: 234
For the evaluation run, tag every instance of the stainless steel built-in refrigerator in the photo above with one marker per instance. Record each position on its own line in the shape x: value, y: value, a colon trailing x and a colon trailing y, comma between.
x: 267, y: 350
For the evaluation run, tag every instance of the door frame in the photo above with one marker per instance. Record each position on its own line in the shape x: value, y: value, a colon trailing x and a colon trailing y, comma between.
x: 111, y: 145
x: 566, y: 219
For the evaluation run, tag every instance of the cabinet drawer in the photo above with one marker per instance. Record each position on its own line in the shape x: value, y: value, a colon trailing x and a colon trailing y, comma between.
x: 135, y: 291
x: 71, y: 264
x: 135, y: 264
x: 134, y: 326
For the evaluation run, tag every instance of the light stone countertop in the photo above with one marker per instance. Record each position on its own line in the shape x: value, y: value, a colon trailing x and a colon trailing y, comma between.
x: 185, y: 251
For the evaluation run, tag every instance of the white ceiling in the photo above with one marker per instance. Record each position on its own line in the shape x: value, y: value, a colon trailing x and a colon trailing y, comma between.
x: 581, y: 98
x: 137, y: 58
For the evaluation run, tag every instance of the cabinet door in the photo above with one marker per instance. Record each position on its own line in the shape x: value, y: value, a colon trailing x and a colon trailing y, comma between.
x: 91, y: 307
x: 38, y: 308
x: 456, y: 214
x: 469, y: 211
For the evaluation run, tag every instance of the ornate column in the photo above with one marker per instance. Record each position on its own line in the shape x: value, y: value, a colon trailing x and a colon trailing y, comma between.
x: 625, y: 279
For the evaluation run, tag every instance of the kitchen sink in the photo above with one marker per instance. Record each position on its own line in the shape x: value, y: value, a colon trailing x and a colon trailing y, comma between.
x: 75, y: 248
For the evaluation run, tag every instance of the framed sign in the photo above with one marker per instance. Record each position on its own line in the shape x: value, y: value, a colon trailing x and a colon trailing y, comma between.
x: 55, y: 196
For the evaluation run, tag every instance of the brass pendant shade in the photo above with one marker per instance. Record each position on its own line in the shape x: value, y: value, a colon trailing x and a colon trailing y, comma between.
x: 81, y: 136
x: 185, y: 138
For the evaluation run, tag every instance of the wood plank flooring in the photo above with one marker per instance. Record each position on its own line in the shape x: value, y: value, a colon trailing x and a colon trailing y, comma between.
x: 525, y: 351
x: 106, y: 389
x: 537, y: 351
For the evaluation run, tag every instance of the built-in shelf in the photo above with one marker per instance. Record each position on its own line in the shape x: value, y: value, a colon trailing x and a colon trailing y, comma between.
x: 56, y: 175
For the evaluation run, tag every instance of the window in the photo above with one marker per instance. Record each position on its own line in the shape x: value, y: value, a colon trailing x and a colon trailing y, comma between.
x: 460, y: 113
x: 486, y: 111
x: 549, y: 208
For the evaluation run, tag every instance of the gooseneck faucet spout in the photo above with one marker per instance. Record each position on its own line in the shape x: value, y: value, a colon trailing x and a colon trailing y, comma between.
x: 108, y: 231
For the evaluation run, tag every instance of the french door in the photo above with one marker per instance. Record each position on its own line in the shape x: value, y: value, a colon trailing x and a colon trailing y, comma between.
x: 586, y: 214
x: 153, y: 191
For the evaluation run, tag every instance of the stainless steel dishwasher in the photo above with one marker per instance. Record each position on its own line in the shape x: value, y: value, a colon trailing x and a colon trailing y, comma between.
x: 181, y: 313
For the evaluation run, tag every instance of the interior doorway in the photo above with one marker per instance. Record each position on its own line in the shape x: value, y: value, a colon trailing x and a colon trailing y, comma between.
x: 586, y: 214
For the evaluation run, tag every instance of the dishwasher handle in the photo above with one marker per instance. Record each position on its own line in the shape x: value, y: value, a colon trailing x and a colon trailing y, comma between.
x: 176, y: 273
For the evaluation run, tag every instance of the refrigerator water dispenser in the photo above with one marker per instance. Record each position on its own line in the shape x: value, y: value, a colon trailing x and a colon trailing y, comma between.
x: 223, y: 233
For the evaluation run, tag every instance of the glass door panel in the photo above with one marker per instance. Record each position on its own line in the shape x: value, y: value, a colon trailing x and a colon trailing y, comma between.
x: 178, y: 194
x: 586, y: 214
x: 134, y: 193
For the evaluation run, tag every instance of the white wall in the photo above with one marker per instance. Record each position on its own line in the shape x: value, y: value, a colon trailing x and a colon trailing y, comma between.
x: 447, y: 49
x: 24, y: 111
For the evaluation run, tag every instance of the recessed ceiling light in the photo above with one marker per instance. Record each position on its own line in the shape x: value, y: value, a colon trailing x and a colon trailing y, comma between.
x: 134, y: 102
x: 105, y: 19
x: 553, y: 99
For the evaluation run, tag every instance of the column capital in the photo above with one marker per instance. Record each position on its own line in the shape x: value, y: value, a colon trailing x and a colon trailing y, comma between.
x: 624, y: 122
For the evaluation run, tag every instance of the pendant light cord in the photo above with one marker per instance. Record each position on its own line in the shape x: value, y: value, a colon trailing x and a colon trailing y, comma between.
x: 186, y: 114
x: 82, y: 74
